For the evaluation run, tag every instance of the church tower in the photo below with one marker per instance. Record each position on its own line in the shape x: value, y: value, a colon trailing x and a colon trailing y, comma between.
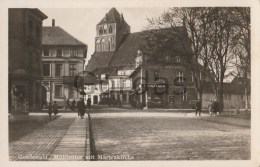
x: 110, y: 31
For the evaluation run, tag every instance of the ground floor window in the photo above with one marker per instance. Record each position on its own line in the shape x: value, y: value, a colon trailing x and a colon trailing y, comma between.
x: 184, y: 95
x: 58, y: 91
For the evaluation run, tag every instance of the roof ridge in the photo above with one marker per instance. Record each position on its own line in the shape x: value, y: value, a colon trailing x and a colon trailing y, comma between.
x: 65, y: 32
x: 72, y: 36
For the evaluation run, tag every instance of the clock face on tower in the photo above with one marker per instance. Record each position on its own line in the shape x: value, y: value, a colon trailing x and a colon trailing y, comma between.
x: 105, y: 26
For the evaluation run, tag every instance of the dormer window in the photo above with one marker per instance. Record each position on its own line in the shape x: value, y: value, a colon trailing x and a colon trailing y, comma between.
x: 110, y: 30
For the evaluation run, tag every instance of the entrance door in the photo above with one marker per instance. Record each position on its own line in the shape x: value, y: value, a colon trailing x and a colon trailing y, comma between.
x: 95, y: 99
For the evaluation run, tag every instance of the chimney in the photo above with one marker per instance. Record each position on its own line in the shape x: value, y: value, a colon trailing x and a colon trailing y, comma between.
x: 53, y: 22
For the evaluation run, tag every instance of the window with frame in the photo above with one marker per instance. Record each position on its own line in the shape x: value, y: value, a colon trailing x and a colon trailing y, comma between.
x: 124, y: 83
x: 46, y: 69
x: 98, y: 45
x: 103, y: 45
x: 72, y: 69
x: 58, y: 90
x: 73, y: 53
x: 58, y: 70
x: 156, y: 75
x: 59, y: 53
x: 101, y: 31
x: 46, y: 52
x: 184, y: 95
x: 178, y: 58
x: 110, y: 30
x: 180, y: 76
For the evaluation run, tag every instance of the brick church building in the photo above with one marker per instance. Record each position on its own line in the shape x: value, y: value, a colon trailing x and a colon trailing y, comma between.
x: 125, y: 71
x: 116, y: 63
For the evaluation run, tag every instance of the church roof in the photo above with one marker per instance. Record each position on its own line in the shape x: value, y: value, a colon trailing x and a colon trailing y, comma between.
x: 57, y: 36
x: 126, y: 53
x: 124, y: 56
x: 112, y: 16
x: 99, y: 59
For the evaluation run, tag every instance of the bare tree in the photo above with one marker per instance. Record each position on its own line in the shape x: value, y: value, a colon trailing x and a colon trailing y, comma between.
x: 209, y: 38
x: 241, y: 48
x: 190, y: 28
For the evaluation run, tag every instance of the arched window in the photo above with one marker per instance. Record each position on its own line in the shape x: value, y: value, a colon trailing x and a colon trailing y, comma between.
x: 109, y: 44
x: 98, y: 45
x: 110, y: 30
x: 103, y: 45
x: 101, y: 31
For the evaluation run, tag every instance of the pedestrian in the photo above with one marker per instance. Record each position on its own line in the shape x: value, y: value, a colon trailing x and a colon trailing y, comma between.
x: 89, y: 103
x: 50, y: 109
x: 68, y: 103
x: 198, y: 107
x: 73, y: 105
x: 81, y: 108
x: 55, y: 109
x: 78, y: 106
x: 210, y: 107
x: 216, y: 107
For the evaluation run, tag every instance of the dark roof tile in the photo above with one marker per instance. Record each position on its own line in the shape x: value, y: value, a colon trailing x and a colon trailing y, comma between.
x: 112, y: 16
x: 99, y: 59
x: 58, y: 36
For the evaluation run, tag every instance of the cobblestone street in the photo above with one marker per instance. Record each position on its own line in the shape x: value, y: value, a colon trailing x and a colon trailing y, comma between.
x: 132, y: 135
x: 169, y: 136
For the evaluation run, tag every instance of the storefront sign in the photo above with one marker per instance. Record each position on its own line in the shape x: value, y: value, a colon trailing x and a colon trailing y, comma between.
x: 154, y: 85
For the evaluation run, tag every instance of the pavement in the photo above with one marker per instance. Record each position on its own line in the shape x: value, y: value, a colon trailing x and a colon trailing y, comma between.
x: 130, y: 135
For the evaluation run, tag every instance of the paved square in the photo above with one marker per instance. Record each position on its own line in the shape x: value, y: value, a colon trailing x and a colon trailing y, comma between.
x: 168, y: 136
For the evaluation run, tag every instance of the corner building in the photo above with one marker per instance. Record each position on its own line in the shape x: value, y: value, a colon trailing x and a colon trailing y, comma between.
x: 24, y: 59
x: 63, y: 57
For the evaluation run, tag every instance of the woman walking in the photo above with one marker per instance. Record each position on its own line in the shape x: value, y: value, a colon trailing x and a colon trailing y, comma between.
x: 55, y: 109
x: 81, y: 108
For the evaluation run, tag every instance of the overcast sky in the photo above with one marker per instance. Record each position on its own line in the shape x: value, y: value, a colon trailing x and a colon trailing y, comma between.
x: 81, y: 23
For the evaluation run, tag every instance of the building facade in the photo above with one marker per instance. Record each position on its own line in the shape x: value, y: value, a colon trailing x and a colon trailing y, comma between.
x: 25, y: 62
x: 63, y: 58
x: 127, y: 72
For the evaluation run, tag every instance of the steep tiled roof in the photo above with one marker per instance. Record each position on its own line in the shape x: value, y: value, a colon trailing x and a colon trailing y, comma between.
x: 99, y: 59
x: 112, y: 17
x: 126, y: 53
x: 58, y: 36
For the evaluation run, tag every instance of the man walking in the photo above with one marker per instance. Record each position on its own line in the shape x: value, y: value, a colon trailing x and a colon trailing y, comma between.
x: 215, y: 107
x: 81, y: 108
x: 89, y: 103
x: 55, y: 109
x: 198, y: 107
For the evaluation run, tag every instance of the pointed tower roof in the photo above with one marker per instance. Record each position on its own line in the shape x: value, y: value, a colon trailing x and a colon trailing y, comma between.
x: 112, y: 16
